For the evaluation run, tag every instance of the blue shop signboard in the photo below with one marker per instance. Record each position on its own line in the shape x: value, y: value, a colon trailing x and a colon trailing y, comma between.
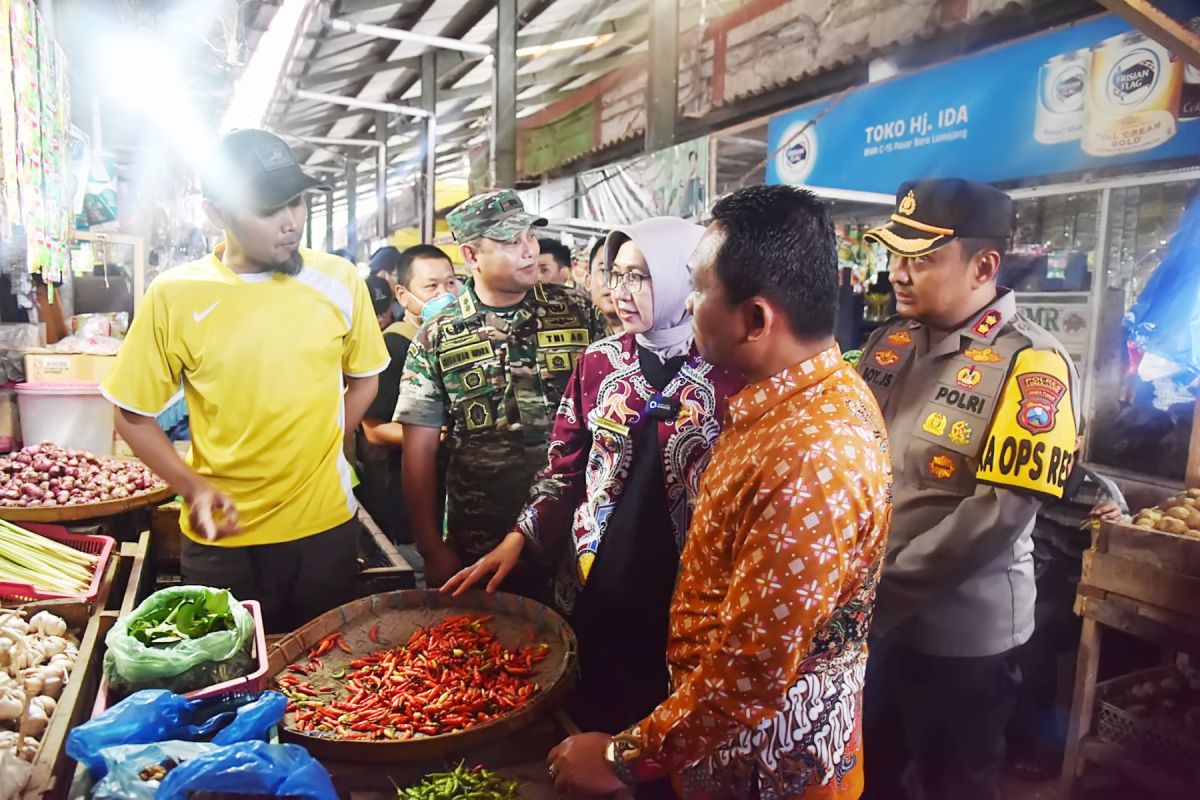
x: 1094, y: 94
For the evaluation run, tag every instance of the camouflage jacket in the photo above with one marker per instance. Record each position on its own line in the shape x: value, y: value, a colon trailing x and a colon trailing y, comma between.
x: 494, y: 378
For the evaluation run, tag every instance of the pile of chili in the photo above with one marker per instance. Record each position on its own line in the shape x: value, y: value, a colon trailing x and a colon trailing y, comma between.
x: 476, y: 784
x: 448, y: 677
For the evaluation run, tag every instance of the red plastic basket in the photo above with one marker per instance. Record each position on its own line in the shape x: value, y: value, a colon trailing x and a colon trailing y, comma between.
x: 99, y: 546
x: 253, y: 683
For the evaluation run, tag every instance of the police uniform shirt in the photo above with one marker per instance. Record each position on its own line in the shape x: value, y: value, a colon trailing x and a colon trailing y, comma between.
x: 982, y: 424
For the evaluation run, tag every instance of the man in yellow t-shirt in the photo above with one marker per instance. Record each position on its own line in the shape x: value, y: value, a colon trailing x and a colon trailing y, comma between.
x: 277, y: 349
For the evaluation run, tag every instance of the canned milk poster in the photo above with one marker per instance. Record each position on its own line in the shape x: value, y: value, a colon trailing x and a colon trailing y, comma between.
x: 1088, y: 95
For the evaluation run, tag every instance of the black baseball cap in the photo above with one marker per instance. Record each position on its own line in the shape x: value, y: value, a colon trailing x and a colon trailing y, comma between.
x: 381, y: 294
x: 931, y: 214
x: 252, y: 168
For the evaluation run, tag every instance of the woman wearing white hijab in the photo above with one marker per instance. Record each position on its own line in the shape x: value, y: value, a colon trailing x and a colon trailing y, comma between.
x: 612, y: 507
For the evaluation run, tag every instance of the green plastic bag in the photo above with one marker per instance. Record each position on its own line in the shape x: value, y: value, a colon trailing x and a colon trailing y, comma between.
x: 180, y: 666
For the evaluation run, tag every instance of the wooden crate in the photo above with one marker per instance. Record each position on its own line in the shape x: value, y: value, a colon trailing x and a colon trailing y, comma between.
x: 1150, y: 567
x: 166, y: 535
x: 139, y: 582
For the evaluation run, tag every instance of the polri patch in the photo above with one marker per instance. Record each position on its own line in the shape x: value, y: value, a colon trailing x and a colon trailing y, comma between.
x: 1040, y: 396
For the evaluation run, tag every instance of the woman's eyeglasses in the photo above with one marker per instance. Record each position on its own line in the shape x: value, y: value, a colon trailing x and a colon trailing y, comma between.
x: 633, y: 280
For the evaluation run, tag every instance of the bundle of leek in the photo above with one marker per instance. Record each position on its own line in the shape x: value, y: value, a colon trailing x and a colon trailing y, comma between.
x: 47, y: 565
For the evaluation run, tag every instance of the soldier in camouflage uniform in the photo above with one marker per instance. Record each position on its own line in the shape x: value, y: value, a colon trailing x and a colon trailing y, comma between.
x: 491, y: 369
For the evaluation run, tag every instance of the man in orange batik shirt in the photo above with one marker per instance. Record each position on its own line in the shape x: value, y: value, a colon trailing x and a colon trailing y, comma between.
x: 769, y: 620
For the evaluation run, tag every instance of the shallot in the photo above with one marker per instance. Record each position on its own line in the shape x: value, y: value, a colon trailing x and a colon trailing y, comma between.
x: 48, y: 475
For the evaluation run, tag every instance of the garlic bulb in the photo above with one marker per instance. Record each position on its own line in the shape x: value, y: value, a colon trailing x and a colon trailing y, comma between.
x: 44, y: 623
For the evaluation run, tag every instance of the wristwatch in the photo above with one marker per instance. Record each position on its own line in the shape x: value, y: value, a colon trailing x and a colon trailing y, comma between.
x: 621, y: 754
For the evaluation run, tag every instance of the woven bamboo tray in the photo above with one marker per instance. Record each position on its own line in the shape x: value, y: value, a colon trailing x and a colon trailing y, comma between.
x: 75, y: 513
x: 400, y: 613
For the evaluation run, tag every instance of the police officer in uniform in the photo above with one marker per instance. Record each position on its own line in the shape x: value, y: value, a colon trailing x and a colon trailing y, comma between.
x: 490, y: 369
x: 981, y: 410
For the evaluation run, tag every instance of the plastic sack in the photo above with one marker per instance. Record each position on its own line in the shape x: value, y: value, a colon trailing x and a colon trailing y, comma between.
x: 150, y: 716
x: 186, y: 665
x: 1165, y: 320
x: 254, y: 720
x: 126, y: 765
x: 156, y: 715
x: 251, y: 768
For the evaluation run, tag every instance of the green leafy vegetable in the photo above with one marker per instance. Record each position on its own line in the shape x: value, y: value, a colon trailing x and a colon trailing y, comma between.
x: 190, y: 618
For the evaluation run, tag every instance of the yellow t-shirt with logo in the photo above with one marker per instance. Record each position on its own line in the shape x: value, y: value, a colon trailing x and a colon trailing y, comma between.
x: 261, y: 359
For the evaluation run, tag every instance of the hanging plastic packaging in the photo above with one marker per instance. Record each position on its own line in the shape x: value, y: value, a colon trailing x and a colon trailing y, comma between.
x: 1165, y: 320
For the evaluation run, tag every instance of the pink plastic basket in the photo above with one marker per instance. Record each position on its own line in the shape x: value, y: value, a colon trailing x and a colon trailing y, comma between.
x: 99, y: 546
x: 253, y: 683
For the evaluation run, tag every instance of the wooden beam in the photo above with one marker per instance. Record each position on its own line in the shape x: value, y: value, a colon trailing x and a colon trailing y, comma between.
x: 1147, y: 18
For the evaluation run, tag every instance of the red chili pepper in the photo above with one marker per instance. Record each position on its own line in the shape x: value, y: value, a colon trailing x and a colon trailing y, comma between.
x: 374, y: 633
x: 450, y: 676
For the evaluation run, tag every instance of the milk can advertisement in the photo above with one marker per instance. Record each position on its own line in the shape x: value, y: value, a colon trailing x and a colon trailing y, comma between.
x: 1095, y: 94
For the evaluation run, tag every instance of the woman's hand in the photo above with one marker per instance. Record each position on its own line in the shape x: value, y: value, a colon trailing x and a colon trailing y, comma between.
x: 500, y: 561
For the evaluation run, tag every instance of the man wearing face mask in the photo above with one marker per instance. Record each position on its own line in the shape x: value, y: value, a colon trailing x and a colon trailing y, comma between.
x: 492, y: 369
x: 278, y: 350
x: 424, y: 282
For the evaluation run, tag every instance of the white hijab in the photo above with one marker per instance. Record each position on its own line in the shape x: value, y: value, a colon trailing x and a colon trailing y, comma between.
x: 666, y: 243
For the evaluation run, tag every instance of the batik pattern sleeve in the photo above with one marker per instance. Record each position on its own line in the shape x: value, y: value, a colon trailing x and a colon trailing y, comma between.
x: 559, y: 487
x: 148, y: 367
x: 422, y: 395
x: 789, y: 567
x: 363, y: 352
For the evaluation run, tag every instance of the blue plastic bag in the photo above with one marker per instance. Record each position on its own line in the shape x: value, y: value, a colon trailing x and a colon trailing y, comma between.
x: 156, y: 715
x: 1165, y: 320
x: 251, y: 768
x: 254, y: 720
x: 126, y: 762
x: 151, y: 715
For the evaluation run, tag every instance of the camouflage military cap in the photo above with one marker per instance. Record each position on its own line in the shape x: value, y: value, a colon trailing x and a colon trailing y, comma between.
x: 498, y: 215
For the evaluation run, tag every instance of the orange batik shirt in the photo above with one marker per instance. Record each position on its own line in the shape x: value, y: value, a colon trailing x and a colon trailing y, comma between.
x: 777, y: 581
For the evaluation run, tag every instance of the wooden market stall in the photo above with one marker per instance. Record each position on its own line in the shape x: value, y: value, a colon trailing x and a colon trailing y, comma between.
x: 1145, y: 726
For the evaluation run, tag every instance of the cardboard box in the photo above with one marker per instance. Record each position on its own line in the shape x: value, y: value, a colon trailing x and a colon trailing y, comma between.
x: 43, y: 366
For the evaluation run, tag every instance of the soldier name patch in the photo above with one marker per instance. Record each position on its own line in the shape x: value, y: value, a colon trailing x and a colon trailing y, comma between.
x: 571, y: 337
x: 461, y: 356
x: 1040, y: 395
x: 877, y: 377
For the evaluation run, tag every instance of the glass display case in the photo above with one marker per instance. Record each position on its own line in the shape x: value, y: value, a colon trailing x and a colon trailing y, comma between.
x: 1140, y: 419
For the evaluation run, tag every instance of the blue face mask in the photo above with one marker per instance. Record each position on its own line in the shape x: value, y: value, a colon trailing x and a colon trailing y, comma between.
x: 435, y: 305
